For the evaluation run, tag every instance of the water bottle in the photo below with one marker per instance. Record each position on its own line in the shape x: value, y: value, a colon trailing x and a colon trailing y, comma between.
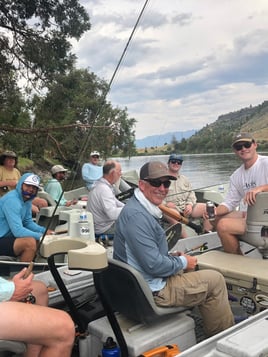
x: 110, y: 348
x: 84, y: 230
x: 221, y: 189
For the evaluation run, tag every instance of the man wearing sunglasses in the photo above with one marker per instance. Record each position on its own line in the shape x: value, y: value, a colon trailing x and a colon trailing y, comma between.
x: 245, y: 183
x: 182, y: 197
x: 140, y: 241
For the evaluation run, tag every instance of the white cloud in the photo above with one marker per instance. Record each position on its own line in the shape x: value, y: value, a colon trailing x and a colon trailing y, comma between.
x: 188, y: 62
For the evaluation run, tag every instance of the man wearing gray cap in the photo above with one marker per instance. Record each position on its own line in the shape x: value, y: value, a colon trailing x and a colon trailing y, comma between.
x: 53, y: 186
x: 245, y: 183
x: 92, y: 171
x: 140, y: 241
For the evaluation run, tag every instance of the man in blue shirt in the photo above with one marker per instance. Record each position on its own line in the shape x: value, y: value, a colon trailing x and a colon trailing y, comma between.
x: 19, y: 234
x: 140, y: 241
x: 54, y: 188
x: 92, y: 171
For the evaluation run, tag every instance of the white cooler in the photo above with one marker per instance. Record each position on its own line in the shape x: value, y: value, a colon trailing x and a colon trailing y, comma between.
x: 176, y: 329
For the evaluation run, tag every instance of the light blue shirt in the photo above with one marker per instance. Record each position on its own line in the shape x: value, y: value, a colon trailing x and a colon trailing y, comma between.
x: 53, y: 187
x: 90, y: 174
x: 7, y: 289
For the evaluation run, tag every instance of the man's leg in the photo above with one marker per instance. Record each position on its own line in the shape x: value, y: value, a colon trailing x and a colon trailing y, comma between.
x: 205, y: 289
x: 229, y: 227
x: 25, y: 248
x: 47, y: 332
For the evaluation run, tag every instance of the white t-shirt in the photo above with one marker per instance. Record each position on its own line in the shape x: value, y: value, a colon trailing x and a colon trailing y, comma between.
x: 243, y: 180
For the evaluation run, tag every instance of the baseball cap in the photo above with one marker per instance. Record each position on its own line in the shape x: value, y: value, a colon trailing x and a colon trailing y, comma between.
x: 94, y: 153
x: 242, y: 137
x: 57, y: 168
x: 9, y: 153
x: 32, y: 180
x: 154, y: 170
x: 175, y: 157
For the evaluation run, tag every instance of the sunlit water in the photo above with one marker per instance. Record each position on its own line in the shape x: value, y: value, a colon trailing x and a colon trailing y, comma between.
x: 203, y: 170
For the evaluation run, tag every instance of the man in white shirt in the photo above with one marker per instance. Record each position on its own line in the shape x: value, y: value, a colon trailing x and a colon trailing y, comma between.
x: 102, y: 203
x: 245, y: 183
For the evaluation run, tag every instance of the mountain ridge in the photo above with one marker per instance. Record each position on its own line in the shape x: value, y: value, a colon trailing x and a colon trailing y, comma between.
x: 163, y: 139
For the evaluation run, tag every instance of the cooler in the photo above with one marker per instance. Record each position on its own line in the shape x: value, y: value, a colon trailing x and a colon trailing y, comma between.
x: 246, y: 339
x: 176, y: 329
x: 246, y: 278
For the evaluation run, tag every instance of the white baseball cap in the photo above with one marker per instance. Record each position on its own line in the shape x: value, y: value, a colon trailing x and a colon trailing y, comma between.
x: 94, y: 153
x: 32, y: 180
x: 57, y: 168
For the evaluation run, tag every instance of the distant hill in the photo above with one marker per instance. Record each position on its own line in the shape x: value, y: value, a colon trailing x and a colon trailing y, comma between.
x: 214, y: 137
x: 160, y: 140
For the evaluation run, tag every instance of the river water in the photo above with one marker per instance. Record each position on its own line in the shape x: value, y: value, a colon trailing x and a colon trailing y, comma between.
x: 203, y: 170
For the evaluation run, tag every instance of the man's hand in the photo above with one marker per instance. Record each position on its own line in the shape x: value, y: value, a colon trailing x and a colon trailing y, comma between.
x: 191, y: 261
x: 23, y: 287
x: 188, y: 210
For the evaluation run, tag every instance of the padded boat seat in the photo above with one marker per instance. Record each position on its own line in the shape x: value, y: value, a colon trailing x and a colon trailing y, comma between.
x: 128, y: 293
x: 11, y: 346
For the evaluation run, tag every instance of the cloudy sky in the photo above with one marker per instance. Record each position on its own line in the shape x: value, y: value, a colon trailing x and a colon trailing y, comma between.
x: 188, y: 62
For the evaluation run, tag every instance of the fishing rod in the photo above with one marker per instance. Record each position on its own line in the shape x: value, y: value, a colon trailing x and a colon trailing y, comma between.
x: 105, y: 93
x: 196, y: 189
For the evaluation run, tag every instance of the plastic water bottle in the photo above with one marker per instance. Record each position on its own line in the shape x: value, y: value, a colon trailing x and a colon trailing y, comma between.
x: 110, y: 348
x: 83, y: 215
x: 221, y: 189
x: 84, y: 230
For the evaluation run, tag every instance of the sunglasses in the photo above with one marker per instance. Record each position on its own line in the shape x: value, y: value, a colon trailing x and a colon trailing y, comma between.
x: 179, y: 162
x: 95, y: 157
x: 239, y: 147
x: 158, y: 183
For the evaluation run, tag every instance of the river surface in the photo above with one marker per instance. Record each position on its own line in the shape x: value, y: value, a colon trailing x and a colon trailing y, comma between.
x: 203, y: 170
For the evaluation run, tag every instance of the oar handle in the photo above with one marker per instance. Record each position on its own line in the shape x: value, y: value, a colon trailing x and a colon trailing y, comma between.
x: 171, y: 212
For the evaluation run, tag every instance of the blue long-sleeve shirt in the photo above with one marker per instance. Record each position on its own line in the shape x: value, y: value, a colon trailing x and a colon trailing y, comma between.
x: 91, y: 173
x: 141, y: 242
x: 16, y: 214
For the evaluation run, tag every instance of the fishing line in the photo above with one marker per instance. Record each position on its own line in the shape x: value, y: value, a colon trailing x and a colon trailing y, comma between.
x: 196, y: 189
x: 104, y: 95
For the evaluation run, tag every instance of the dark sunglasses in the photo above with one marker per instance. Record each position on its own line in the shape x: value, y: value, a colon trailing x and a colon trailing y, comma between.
x: 239, y: 147
x: 158, y: 183
x: 95, y: 157
x: 179, y: 162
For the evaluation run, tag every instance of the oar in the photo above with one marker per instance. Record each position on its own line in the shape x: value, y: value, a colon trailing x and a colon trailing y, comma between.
x: 171, y: 212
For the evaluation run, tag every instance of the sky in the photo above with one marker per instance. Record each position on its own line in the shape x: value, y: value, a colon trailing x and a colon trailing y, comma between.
x: 188, y: 62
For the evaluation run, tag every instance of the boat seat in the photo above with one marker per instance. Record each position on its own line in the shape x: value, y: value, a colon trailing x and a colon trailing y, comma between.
x: 14, y: 347
x: 123, y: 289
x: 128, y: 293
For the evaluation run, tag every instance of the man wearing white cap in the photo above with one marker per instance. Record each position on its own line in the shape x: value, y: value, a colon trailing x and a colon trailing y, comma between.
x: 92, y: 171
x: 19, y: 234
x: 53, y: 186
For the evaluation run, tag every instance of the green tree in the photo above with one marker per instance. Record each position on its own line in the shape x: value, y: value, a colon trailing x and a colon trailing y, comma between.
x: 35, y: 35
x: 74, y: 118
